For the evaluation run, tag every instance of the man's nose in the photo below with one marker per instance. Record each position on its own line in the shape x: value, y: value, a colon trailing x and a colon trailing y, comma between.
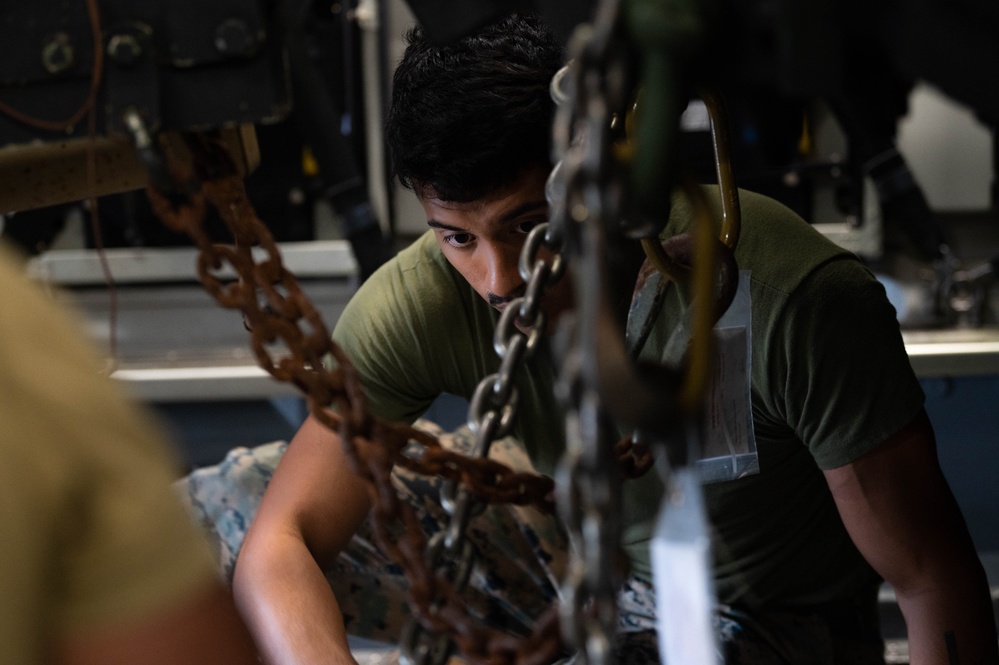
x: 503, y: 279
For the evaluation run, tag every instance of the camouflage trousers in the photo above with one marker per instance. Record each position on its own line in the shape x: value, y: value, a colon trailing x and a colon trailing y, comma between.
x: 521, y: 555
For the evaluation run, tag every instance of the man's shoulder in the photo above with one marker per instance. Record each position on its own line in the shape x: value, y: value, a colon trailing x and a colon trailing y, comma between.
x: 787, y: 258
x: 777, y: 241
x: 415, y: 295
x: 421, y: 266
x: 421, y: 254
x: 418, y: 276
x: 777, y: 246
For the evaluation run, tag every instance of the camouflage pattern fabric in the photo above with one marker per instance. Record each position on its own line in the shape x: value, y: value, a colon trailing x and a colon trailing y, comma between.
x: 520, y: 556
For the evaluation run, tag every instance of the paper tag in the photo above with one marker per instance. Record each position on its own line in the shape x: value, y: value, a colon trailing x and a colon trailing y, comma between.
x: 727, y: 414
x: 729, y: 448
x: 681, y: 570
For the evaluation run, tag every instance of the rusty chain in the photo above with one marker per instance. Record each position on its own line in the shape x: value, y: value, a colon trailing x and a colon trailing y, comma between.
x: 291, y: 342
x: 604, y: 206
x: 491, y: 414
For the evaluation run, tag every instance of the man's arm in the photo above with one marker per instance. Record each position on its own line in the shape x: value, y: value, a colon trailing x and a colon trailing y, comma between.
x: 311, y: 509
x: 898, y: 509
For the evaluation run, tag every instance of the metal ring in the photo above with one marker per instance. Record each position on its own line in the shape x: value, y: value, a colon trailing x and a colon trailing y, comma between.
x: 506, y: 328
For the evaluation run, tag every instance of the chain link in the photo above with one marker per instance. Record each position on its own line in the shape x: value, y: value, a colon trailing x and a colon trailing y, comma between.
x: 588, y: 481
x: 292, y: 343
x: 491, y: 415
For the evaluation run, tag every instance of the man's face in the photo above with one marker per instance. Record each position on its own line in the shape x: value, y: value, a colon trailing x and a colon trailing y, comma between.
x: 482, y: 239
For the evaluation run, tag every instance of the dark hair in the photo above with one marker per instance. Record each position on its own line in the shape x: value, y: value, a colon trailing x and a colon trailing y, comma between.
x: 471, y: 116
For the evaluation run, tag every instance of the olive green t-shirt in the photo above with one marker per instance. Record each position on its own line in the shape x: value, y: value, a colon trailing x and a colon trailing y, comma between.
x: 91, y: 533
x: 830, y: 381
x: 825, y: 344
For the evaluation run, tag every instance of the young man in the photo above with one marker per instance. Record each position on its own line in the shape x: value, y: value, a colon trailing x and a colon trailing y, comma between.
x: 849, y: 486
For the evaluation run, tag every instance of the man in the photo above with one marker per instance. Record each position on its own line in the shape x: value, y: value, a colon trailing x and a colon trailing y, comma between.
x: 99, y: 563
x: 849, y: 482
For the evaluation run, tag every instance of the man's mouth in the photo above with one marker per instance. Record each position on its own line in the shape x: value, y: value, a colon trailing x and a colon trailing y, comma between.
x: 497, y: 302
x: 517, y: 321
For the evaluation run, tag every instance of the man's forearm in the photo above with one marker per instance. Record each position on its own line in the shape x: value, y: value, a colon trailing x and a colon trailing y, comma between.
x: 952, y: 623
x: 290, y: 608
x: 900, y: 512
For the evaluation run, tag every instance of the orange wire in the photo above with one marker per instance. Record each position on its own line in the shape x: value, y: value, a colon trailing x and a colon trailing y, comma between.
x: 88, y: 109
x: 95, y: 227
x: 93, y: 14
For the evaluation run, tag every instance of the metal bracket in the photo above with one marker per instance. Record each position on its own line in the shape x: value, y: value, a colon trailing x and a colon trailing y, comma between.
x: 131, y: 77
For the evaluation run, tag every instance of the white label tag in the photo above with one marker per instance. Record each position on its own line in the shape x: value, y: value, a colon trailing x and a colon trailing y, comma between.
x: 729, y: 445
x: 727, y: 415
x: 681, y: 570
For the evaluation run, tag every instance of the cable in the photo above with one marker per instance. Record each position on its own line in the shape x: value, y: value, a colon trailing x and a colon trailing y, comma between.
x: 93, y: 13
x: 87, y: 109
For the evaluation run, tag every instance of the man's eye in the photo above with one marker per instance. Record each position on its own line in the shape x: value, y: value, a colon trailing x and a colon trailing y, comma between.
x: 525, y: 227
x: 459, y: 239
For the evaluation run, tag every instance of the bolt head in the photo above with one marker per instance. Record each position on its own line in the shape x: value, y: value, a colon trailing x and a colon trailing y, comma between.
x: 124, y: 48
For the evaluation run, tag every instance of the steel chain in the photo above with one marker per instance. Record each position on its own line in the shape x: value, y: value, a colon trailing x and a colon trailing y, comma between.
x: 292, y: 343
x: 588, y: 482
x: 491, y: 415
